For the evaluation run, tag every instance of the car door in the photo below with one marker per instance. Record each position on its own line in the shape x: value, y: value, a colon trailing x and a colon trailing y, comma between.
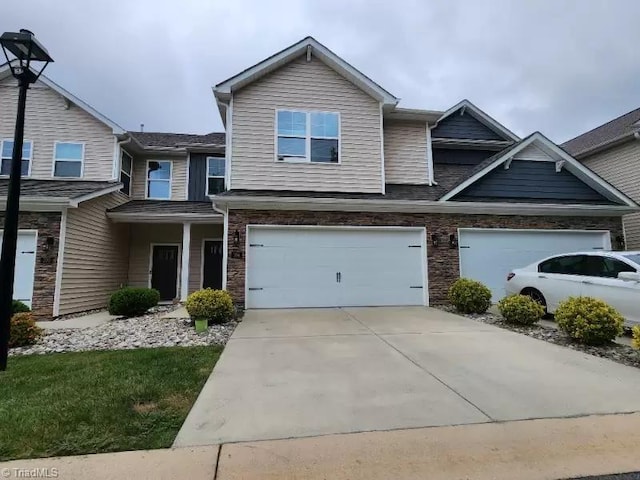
x: 560, y: 278
x: 602, y: 282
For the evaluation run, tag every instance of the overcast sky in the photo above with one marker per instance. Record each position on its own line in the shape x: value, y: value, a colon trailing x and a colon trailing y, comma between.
x: 561, y: 67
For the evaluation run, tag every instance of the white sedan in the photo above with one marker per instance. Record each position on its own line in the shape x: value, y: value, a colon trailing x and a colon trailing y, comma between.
x: 610, y: 276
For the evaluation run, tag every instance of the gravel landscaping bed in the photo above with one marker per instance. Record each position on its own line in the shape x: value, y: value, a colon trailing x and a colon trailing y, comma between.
x: 128, y: 333
x: 613, y: 351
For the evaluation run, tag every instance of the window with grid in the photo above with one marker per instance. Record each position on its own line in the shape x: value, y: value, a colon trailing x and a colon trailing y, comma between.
x: 7, y: 155
x: 215, y: 175
x: 68, y: 159
x: 308, y: 136
x: 125, y: 173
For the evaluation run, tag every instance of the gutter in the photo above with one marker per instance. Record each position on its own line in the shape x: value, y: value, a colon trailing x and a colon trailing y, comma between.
x: 418, y: 206
x: 629, y: 136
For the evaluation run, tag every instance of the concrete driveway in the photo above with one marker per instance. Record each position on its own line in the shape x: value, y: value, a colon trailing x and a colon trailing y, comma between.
x: 305, y: 372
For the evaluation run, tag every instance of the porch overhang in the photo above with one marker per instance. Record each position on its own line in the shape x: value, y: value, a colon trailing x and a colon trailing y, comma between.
x: 416, y: 206
x: 165, y: 211
x: 164, y: 218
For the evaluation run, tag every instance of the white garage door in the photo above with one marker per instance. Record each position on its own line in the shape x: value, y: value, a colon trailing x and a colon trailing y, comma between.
x: 327, y: 267
x: 25, y: 266
x: 488, y: 255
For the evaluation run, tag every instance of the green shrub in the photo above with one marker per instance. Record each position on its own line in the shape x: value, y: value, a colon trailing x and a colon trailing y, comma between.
x: 469, y: 296
x: 133, y: 301
x: 24, y: 330
x: 520, y: 309
x: 589, y: 320
x: 636, y: 336
x: 215, y: 306
x: 18, y: 307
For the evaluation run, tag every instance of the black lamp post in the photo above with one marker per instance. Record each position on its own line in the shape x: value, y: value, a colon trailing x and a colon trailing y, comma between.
x: 26, y: 49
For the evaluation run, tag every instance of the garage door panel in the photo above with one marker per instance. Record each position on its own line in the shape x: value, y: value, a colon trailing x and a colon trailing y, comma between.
x: 489, y: 255
x: 298, y: 267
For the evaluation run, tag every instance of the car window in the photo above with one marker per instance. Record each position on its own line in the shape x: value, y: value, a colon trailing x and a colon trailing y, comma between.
x: 567, y: 265
x: 598, y: 266
x: 634, y: 257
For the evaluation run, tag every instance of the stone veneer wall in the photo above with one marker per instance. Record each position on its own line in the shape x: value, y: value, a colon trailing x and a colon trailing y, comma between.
x: 443, y: 262
x: 48, y: 225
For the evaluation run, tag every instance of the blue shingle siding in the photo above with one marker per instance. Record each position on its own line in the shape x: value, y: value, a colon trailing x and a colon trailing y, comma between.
x: 454, y: 156
x: 531, y: 181
x: 465, y: 127
x: 197, y: 177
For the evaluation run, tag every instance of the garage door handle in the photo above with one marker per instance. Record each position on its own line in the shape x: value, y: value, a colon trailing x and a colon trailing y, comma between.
x: 254, y: 288
x: 29, y: 251
x: 542, y: 276
x: 338, y: 277
x: 587, y: 282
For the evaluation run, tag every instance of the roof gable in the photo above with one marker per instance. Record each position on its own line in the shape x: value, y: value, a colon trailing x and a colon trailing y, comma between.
x: 466, y: 121
x: 5, y: 72
x: 523, y: 151
x: 308, y: 46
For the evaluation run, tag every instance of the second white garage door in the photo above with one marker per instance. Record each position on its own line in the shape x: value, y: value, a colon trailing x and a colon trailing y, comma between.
x: 329, y: 267
x: 25, y: 266
x: 488, y: 255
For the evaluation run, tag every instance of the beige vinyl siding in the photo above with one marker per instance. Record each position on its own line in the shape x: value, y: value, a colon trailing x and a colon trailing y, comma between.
x: 96, y: 255
x: 178, y: 177
x: 531, y: 152
x: 306, y: 86
x: 49, y: 120
x: 620, y: 166
x: 143, y: 235
x: 405, y: 152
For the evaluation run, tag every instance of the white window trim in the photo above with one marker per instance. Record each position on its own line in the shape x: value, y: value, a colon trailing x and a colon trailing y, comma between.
x: 53, y: 163
x: 146, y: 180
x: 307, y: 158
x: 207, y: 176
x: 130, y: 173
x: 30, y: 158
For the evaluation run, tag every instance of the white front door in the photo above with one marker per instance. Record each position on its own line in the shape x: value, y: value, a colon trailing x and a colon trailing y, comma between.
x: 328, y: 267
x: 488, y: 255
x: 25, y: 266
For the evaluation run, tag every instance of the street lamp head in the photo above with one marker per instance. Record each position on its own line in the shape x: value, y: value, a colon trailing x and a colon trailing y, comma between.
x: 24, y: 46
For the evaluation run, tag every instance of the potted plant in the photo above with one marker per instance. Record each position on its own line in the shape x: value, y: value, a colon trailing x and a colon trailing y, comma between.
x: 209, y: 306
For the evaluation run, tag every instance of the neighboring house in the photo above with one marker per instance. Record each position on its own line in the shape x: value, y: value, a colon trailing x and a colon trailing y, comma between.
x: 612, y: 150
x: 102, y: 207
x: 338, y: 197
x: 323, y: 192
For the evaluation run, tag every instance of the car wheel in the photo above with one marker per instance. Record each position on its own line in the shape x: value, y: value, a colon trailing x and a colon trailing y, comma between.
x: 537, y: 296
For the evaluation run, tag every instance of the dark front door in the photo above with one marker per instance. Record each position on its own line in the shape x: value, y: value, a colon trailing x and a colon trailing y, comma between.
x: 212, y: 269
x: 164, y: 270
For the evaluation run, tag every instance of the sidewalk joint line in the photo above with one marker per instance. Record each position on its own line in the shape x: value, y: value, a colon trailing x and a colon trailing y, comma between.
x: 421, y: 367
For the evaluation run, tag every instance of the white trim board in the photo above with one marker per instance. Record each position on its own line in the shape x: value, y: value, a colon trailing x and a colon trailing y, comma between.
x: 555, y: 154
x: 224, y: 89
x: 60, y: 263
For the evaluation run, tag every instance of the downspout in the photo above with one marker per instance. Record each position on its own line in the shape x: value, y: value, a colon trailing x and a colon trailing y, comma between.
x: 116, y: 155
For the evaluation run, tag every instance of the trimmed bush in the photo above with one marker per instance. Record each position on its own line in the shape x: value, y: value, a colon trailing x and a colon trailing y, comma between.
x: 133, y: 301
x: 589, y: 320
x: 469, y: 296
x: 521, y: 309
x: 636, y: 337
x: 215, y: 306
x: 24, y: 330
x: 18, y: 307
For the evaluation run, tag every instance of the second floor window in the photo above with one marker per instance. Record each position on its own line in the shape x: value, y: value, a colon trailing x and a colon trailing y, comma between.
x: 308, y: 136
x: 159, y: 179
x: 125, y: 173
x: 68, y: 159
x: 7, y: 155
x: 215, y: 175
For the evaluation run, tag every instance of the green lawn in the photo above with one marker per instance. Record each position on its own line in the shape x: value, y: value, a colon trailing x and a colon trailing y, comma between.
x: 89, y: 402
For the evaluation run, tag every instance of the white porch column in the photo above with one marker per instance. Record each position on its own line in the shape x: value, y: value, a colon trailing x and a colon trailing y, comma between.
x: 186, y: 247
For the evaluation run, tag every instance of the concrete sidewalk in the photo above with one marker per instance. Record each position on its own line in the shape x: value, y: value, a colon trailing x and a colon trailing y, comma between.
x: 83, y: 321
x: 548, y: 449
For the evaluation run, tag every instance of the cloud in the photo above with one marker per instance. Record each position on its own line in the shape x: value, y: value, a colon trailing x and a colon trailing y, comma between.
x: 560, y: 66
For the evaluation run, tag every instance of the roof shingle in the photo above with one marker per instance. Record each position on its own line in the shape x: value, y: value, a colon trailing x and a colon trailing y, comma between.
x: 615, y: 129
x: 56, y: 188
x: 159, y: 139
x: 165, y: 207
